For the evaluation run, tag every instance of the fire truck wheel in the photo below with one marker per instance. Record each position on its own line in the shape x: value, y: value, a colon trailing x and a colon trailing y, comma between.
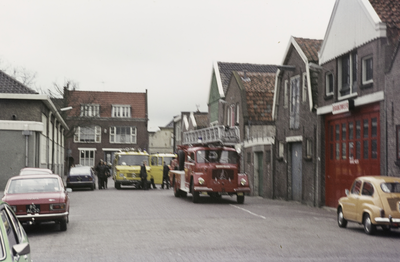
x: 240, y: 199
x: 196, y: 195
x: 117, y: 185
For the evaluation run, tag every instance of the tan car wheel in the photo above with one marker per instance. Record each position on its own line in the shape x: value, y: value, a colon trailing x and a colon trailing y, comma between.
x: 342, y: 222
x: 369, y: 228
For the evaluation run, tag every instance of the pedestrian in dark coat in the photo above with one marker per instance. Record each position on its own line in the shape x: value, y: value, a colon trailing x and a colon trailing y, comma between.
x: 143, y: 175
x: 165, y: 176
x: 101, y: 170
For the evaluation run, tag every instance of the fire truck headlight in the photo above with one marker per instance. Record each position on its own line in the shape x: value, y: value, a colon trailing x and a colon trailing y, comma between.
x: 201, y: 181
x: 121, y: 174
x: 243, y: 181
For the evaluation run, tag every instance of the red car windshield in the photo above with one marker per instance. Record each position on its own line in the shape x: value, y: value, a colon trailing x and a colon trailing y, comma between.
x: 34, y: 185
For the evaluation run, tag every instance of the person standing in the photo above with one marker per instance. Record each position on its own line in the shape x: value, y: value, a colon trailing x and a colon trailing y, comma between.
x: 165, y: 176
x: 143, y: 175
x: 101, y: 170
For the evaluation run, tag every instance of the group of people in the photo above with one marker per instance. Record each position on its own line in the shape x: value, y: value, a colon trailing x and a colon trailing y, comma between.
x: 103, y: 173
x: 143, y: 177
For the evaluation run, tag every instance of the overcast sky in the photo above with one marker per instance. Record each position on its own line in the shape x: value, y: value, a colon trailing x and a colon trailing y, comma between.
x: 165, y: 46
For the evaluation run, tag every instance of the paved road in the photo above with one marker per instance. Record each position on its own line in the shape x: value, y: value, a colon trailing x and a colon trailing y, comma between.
x: 153, y: 225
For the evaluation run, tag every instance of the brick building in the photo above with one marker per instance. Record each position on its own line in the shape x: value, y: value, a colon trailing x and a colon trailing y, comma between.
x: 102, y: 123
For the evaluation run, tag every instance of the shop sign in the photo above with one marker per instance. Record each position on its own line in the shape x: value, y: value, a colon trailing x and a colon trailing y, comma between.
x: 342, y: 107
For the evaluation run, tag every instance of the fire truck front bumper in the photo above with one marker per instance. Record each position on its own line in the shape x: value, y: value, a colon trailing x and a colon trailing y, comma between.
x: 209, y: 189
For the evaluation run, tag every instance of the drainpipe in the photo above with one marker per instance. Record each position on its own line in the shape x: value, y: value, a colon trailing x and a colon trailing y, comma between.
x: 26, y: 132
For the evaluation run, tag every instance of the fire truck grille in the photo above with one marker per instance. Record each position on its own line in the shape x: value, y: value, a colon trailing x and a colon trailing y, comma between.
x: 222, y: 174
x: 130, y: 175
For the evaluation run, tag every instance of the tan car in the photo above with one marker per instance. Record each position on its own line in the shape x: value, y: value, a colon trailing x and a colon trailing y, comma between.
x: 372, y: 201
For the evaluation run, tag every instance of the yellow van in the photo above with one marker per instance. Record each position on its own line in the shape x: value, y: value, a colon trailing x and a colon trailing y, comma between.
x: 157, y: 165
x: 126, y: 167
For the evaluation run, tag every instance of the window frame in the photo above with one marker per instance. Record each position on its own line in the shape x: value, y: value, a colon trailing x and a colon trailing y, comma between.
x: 286, y: 94
x: 294, y: 108
x: 329, y: 88
x: 121, y: 111
x: 366, y: 81
x: 91, y: 158
x: 309, y: 148
x: 90, y: 110
x: 350, y: 88
x: 132, y: 135
x: 281, y: 149
x: 96, y: 134
x: 304, y: 88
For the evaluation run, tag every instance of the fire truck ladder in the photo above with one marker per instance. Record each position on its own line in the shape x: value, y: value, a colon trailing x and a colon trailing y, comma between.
x: 213, y: 135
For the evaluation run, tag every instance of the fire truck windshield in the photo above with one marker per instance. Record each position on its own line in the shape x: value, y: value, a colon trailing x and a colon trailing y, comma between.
x: 132, y: 160
x: 216, y: 156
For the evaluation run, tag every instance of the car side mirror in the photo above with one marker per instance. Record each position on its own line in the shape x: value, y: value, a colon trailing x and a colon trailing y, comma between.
x: 347, y: 192
x: 21, y: 249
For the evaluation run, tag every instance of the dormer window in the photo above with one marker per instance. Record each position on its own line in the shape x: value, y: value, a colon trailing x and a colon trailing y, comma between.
x: 90, y: 110
x: 123, y: 111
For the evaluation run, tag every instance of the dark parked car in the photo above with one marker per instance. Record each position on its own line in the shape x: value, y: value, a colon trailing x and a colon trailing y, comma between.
x: 82, y: 176
x: 38, y: 198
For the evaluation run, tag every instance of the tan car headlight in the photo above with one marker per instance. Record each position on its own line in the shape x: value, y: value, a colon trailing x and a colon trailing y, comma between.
x: 243, y: 181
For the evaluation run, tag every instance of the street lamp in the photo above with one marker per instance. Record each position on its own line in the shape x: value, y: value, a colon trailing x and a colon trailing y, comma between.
x: 66, y: 108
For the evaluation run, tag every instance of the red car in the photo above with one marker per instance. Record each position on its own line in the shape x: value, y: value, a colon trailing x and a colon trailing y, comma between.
x: 38, y: 198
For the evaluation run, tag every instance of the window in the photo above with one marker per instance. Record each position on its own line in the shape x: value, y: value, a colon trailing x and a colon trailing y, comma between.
x: 309, y: 151
x: 367, y: 70
x: 368, y: 189
x: 347, y: 74
x: 305, y: 87
x: 123, y: 134
x: 86, y: 157
x: 87, y: 134
x: 90, y: 110
x: 121, y: 111
x: 329, y: 84
x: 237, y: 113
x: 286, y: 94
x: 295, y: 102
x: 231, y: 118
x: 281, y: 149
x: 356, y: 187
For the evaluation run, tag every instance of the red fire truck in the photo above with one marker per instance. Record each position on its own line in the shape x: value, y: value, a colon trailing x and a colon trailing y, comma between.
x: 209, y: 163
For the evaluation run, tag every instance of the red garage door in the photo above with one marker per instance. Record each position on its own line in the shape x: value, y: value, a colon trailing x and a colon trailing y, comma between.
x: 352, y: 149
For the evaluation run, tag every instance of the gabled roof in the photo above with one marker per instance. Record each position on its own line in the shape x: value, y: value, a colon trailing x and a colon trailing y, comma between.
x: 258, y: 89
x: 357, y: 22
x: 11, y: 85
x: 137, y: 101
x: 309, y: 47
x: 225, y: 70
x: 308, y: 51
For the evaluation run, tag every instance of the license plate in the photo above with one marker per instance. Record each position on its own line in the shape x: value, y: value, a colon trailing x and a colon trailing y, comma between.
x: 240, y: 194
x: 32, y: 209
